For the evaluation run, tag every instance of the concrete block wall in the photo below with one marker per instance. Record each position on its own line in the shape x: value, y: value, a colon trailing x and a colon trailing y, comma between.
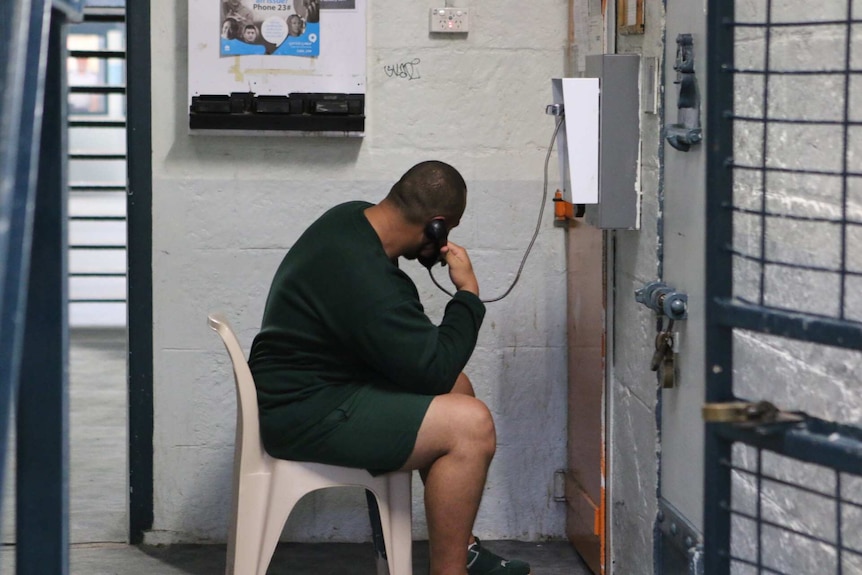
x: 225, y: 210
x: 634, y: 441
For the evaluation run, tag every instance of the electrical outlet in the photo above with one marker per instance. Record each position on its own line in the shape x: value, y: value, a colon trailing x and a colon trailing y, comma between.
x: 449, y: 20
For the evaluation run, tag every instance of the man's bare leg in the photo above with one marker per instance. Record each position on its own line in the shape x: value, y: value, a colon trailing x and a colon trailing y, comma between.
x: 463, y: 386
x: 453, y: 451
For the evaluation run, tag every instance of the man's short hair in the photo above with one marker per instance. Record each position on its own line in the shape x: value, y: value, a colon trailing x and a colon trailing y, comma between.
x: 429, y: 189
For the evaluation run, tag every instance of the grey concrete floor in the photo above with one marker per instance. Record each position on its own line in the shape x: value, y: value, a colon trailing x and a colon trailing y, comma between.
x: 97, y: 442
x: 97, y: 494
x: 549, y: 558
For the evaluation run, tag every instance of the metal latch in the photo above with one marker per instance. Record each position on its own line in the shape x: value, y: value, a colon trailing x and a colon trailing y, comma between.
x: 686, y: 132
x: 663, y: 299
x: 749, y: 414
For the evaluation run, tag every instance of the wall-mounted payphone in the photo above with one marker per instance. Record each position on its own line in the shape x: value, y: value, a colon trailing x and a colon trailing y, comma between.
x: 599, y: 141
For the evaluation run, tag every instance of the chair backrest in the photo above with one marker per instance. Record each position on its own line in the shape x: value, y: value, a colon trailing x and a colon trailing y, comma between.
x: 248, y: 444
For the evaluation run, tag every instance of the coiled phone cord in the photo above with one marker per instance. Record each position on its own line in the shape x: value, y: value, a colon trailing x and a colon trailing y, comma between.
x: 535, y: 233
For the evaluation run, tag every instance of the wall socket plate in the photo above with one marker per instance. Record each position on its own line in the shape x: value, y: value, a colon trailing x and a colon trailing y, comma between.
x: 449, y: 21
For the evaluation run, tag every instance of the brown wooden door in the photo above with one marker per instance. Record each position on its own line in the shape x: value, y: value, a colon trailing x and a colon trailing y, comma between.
x: 585, y: 474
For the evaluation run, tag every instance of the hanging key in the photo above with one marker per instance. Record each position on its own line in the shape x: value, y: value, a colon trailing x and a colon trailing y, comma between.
x: 663, y: 346
x: 662, y: 360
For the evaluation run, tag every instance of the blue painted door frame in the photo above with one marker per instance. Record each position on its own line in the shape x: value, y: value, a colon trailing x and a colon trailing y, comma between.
x: 42, y: 460
x: 140, y: 272
x: 33, y: 298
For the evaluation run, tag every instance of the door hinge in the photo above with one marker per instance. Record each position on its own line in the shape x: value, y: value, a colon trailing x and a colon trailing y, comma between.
x: 749, y: 414
x: 560, y: 485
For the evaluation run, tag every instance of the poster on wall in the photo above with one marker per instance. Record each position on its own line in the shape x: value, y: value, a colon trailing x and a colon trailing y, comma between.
x: 270, y: 28
x: 327, y: 54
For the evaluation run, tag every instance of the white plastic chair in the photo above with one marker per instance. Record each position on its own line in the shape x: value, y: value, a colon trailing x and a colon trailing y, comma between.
x: 266, y: 489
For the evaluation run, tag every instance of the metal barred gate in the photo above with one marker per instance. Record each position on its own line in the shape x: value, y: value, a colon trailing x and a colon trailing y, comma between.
x: 783, y: 447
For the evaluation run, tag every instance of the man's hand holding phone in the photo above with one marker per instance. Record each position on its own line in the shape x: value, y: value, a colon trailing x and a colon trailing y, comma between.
x: 460, y: 268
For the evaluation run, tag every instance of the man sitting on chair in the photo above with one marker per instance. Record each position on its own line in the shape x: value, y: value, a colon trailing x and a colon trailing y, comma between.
x: 350, y: 371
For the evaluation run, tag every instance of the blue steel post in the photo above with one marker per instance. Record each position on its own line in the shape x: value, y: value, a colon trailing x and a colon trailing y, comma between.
x: 719, y: 278
x: 140, y: 282
x: 23, y: 55
x: 43, y: 432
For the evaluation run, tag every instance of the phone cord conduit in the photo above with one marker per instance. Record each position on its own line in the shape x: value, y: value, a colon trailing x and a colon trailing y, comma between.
x: 535, y: 233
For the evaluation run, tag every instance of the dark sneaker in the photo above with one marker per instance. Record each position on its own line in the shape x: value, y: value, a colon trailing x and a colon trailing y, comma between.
x: 480, y: 561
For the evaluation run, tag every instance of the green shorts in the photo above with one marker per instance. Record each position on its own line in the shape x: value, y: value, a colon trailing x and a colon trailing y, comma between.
x: 374, y: 429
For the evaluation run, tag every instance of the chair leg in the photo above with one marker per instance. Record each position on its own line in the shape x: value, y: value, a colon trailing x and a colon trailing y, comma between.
x: 243, y: 553
x: 396, y: 517
x: 279, y: 506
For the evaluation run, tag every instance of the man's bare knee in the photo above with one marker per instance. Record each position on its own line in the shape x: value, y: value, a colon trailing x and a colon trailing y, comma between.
x: 454, y: 424
x: 477, y: 428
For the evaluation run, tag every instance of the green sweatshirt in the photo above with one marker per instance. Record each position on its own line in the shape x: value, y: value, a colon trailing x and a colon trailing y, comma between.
x: 340, y: 314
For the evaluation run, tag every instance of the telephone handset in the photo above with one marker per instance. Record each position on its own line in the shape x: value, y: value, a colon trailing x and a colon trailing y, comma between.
x: 436, y: 232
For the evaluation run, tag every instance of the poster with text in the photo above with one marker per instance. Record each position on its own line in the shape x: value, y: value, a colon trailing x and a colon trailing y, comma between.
x: 270, y: 27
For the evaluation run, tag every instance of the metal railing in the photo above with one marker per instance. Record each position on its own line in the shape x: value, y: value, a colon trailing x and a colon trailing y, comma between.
x: 97, y: 162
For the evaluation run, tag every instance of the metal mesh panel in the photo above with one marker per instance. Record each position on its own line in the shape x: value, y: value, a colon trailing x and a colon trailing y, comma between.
x: 794, y: 518
x: 785, y: 229
x: 797, y: 191
x: 821, y: 380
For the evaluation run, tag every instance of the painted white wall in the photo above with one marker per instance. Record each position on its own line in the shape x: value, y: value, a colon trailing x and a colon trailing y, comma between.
x: 226, y: 209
